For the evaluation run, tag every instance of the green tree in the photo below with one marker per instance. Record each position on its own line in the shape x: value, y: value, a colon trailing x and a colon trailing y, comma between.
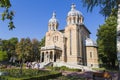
x: 9, y: 46
x: 42, y: 42
x: 36, y: 51
x: 105, y: 5
x: 12, y: 46
x: 5, y: 47
x: 7, y: 13
x: 21, y: 52
x: 3, y: 56
x: 24, y: 51
x: 107, y: 41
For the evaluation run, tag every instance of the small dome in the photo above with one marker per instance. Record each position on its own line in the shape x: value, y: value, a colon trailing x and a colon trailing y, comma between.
x: 53, y: 19
x: 90, y: 42
x: 74, y: 12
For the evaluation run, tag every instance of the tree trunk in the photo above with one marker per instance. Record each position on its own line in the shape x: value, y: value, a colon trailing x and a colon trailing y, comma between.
x: 21, y: 66
x: 113, y: 64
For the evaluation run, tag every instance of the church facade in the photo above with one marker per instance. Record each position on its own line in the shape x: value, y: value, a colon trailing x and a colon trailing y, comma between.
x: 71, y: 45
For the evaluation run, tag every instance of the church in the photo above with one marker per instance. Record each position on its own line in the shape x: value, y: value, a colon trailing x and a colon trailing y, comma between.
x: 71, y: 45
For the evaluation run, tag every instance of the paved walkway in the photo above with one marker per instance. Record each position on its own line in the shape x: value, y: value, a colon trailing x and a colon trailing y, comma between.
x: 88, y: 75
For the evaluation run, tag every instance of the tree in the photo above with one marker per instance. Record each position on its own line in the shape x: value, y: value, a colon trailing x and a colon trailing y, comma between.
x: 7, y: 13
x: 3, y: 56
x: 24, y: 51
x: 107, y: 41
x: 36, y: 52
x: 9, y: 46
x: 21, y: 52
x: 12, y: 46
x: 42, y: 42
x: 105, y: 5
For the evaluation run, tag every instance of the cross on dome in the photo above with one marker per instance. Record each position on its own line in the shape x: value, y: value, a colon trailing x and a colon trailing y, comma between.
x: 73, y: 6
x: 54, y: 15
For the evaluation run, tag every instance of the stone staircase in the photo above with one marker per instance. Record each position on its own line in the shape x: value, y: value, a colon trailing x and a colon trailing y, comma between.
x: 59, y: 64
x: 45, y: 64
x: 74, y: 66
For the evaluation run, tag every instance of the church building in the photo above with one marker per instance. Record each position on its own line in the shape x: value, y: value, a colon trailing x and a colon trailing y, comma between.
x: 71, y: 45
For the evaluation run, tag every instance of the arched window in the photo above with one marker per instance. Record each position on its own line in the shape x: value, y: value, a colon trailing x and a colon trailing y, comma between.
x: 57, y: 38
x: 90, y: 54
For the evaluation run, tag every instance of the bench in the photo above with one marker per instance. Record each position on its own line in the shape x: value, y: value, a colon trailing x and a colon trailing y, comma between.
x: 105, y: 75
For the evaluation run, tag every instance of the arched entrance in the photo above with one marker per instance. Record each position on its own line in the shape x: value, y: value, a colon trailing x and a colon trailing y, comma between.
x: 55, y: 56
x: 51, y: 55
x: 42, y: 57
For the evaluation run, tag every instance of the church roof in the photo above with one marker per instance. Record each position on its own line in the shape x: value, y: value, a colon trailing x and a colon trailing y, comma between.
x: 62, y: 30
x: 90, y: 42
x: 85, y: 28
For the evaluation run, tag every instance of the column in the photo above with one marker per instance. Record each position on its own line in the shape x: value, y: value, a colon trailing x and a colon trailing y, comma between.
x: 118, y: 39
x: 48, y: 56
x: 44, y: 56
x: 41, y: 57
x: 59, y: 56
x: 53, y: 56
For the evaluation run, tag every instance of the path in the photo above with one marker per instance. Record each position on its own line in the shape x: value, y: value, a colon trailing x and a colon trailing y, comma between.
x: 88, y: 75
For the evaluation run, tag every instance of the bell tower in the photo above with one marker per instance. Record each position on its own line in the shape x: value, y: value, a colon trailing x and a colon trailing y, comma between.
x: 74, y: 37
x: 74, y: 16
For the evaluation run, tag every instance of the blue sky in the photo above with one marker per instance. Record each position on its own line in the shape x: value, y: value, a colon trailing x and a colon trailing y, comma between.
x: 32, y: 16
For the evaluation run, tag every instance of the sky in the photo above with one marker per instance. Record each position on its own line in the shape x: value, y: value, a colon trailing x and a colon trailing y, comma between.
x: 32, y: 16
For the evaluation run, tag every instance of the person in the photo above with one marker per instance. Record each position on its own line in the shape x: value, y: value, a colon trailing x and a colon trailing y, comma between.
x: 38, y: 65
x: 29, y: 65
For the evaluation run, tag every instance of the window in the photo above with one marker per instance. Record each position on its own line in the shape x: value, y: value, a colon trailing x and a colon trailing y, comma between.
x: 55, y: 38
x: 90, y: 54
x: 91, y: 65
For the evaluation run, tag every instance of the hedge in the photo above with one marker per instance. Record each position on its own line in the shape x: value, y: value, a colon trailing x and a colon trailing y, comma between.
x: 30, y: 74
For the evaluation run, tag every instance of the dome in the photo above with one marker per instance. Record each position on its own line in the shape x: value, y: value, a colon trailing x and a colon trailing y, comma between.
x: 53, y: 19
x: 90, y: 42
x: 74, y: 12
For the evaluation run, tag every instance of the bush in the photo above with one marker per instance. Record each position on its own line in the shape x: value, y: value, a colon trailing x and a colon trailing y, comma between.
x: 63, y: 68
x: 30, y: 74
x: 3, y: 55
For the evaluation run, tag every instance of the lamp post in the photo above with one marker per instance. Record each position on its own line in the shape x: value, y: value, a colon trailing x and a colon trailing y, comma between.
x: 118, y: 39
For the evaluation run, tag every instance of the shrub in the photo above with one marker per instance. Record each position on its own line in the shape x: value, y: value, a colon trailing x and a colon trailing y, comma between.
x: 30, y: 74
x: 63, y: 68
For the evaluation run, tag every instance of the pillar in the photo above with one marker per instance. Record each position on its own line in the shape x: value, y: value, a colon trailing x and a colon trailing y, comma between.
x: 118, y: 39
x: 53, y: 56
x: 48, y: 56
x: 41, y: 57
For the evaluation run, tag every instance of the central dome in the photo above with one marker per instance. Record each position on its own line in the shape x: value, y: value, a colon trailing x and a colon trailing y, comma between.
x: 74, y: 12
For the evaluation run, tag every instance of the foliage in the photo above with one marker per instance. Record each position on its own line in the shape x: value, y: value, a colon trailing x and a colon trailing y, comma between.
x: 63, y: 68
x: 36, y: 52
x: 9, y: 46
x: 107, y: 41
x: 3, y: 56
x: 7, y: 13
x: 24, y: 49
x: 105, y: 5
x: 30, y: 74
x: 27, y: 50
x: 42, y: 42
